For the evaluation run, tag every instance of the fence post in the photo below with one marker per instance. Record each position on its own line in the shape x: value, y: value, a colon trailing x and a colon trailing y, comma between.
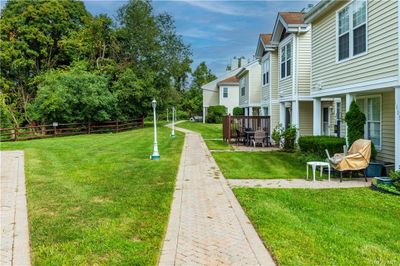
x: 117, y: 126
x: 142, y: 122
x: 229, y: 128
x: 88, y: 127
x: 14, y: 136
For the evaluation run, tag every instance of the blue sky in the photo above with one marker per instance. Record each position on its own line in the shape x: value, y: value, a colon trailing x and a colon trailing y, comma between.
x: 215, y: 30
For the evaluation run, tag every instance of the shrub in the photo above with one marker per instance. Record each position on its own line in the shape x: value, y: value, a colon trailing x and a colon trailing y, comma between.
x: 285, y: 138
x: 289, y: 138
x: 180, y: 115
x: 238, y: 111
x: 215, y: 114
x: 395, y: 175
x: 355, y: 120
x: 276, y: 135
x: 316, y: 145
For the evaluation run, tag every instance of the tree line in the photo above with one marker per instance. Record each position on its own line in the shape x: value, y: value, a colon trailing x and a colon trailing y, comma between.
x: 60, y: 63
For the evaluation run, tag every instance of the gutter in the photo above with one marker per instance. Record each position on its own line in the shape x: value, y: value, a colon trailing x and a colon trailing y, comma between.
x: 318, y: 10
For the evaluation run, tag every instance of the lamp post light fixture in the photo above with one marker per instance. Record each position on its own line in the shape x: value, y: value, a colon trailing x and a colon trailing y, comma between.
x: 173, y: 122
x: 155, y: 155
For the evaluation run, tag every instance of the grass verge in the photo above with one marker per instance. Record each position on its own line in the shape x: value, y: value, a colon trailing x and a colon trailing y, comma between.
x: 212, y: 134
x: 261, y: 165
x: 326, y: 227
x: 98, y: 199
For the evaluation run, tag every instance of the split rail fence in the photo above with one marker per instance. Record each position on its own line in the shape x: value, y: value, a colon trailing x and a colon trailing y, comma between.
x: 58, y: 130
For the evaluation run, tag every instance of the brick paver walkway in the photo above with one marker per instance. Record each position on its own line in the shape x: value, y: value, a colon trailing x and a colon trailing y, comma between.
x: 207, y: 226
x: 14, y: 242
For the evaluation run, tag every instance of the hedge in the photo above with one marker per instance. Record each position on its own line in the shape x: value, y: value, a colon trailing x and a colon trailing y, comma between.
x: 238, y: 111
x: 215, y: 114
x: 316, y: 145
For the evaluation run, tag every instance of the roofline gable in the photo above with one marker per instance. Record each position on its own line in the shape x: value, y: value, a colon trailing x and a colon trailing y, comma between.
x: 281, y: 24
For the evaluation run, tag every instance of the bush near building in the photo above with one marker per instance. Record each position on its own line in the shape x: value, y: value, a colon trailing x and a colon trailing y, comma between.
x: 317, y: 145
x: 238, y: 111
x: 215, y: 114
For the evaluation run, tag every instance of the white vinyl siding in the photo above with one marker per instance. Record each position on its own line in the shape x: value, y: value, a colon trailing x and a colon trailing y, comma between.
x: 255, y: 85
x: 251, y: 83
x: 380, y: 62
x: 306, y: 118
x: 303, y: 61
x: 274, y: 75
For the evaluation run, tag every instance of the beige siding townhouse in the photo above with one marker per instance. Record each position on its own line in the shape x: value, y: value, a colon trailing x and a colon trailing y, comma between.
x: 250, y: 88
x: 267, y: 54
x: 222, y: 91
x: 292, y: 38
x: 355, y: 56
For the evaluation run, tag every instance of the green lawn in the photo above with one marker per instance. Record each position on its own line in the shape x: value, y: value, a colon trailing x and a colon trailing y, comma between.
x: 208, y: 131
x: 326, y: 227
x: 262, y: 165
x: 212, y: 133
x: 98, y: 199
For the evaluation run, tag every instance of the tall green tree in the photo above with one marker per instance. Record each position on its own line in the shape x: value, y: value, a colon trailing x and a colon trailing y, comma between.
x: 202, y: 75
x: 73, y: 95
x: 31, y: 33
x: 192, y: 101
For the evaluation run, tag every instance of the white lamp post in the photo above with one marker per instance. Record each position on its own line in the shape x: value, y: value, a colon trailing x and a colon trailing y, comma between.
x: 173, y: 122
x: 155, y: 155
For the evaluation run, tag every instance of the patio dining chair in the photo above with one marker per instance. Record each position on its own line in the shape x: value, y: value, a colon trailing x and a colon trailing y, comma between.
x: 240, y: 137
x: 259, y: 138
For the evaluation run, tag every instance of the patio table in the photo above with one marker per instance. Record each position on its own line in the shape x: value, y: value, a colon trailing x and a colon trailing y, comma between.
x: 316, y: 164
x: 249, y: 134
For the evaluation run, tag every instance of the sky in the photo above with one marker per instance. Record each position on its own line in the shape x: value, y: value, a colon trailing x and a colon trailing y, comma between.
x: 216, y: 30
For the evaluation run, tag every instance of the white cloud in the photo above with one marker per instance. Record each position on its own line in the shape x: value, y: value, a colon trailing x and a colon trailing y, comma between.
x: 220, y: 7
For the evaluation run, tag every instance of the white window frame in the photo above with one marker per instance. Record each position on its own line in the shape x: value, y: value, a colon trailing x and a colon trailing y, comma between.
x: 266, y: 70
x: 286, y: 60
x: 225, y: 91
x: 366, y: 97
x: 351, y: 31
x: 242, y: 87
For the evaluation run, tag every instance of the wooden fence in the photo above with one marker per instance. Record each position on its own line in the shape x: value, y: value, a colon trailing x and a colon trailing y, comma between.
x: 46, y: 131
x: 232, y: 123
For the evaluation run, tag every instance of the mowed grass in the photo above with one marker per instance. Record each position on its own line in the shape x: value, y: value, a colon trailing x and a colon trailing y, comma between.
x: 208, y: 131
x: 326, y: 227
x: 99, y: 199
x: 261, y: 165
x: 212, y: 134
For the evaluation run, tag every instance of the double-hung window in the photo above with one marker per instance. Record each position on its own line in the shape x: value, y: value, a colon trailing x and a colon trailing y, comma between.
x: 352, y: 30
x: 286, y: 59
x: 371, y: 107
x: 265, y: 68
x: 242, y: 87
x: 225, y: 93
